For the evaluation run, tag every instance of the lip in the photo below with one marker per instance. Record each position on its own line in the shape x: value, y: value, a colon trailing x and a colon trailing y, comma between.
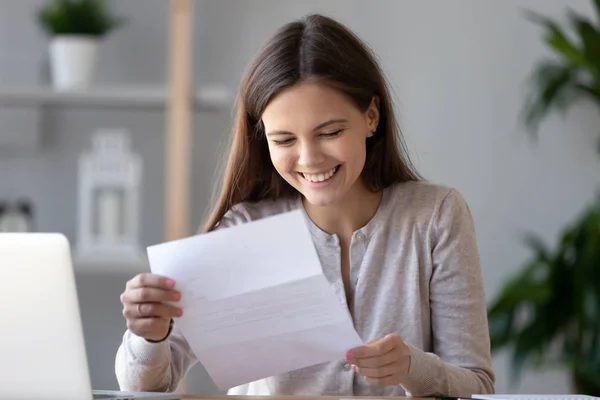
x: 323, y: 183
x: 317, y: 172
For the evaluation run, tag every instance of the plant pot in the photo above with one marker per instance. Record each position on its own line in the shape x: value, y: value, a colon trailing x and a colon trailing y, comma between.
x: 73, y: 61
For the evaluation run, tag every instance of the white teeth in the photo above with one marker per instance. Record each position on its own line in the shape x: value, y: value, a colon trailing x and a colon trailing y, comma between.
x: 319, y: 177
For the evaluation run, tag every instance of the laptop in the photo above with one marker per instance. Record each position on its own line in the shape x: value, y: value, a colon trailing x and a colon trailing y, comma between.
x: 42, y: 348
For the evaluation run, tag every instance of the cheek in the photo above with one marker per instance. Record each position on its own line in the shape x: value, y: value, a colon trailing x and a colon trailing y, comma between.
x: 353, y: 150
x: 282, y: 160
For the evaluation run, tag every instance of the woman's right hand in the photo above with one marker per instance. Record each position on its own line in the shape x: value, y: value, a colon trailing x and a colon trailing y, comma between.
x: 144, y: 305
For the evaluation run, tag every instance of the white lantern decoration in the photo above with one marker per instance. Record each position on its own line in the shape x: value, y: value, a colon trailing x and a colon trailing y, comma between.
x: 109, y: 193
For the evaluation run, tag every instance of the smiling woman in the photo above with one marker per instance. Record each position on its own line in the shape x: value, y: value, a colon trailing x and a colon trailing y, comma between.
x: 316, y: 138
x: 316, y: 131
x: 298, y: 100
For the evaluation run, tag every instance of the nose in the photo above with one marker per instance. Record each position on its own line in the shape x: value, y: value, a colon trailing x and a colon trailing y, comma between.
x: 310, y: 155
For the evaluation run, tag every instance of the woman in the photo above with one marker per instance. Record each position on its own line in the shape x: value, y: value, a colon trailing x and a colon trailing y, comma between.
x: 316, y: 130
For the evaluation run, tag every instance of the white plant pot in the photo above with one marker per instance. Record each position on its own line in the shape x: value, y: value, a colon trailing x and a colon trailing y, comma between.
x: 73, y: 61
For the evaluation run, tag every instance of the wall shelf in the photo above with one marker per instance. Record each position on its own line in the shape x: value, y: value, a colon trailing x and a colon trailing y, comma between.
x: 108, y: 267
x: 124, y: 96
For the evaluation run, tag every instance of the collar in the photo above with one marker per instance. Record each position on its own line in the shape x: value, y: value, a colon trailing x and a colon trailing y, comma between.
x: 366, y: 232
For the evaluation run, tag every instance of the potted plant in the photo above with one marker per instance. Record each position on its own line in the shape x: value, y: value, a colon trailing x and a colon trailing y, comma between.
x: 549, y: 312
x: 76, y: 29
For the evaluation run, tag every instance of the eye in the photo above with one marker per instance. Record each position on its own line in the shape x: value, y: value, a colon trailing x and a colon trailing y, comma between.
x: 283, y: 142
x: 332, y: 134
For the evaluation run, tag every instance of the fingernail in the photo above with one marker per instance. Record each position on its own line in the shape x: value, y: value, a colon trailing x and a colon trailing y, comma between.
x: 179, y: 312
x: 354, y: 368
x: 349, y: 357
x: 177, y: 296
x: 170, y: 283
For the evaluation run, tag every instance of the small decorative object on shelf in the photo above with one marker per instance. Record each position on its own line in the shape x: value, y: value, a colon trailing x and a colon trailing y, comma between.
x: 3, y: 216
x: 16, y: 216
x: 24, y: 209
x: 76, y: 29
x: 109, y: 192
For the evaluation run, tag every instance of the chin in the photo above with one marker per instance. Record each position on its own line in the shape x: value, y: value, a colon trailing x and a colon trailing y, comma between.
x: 320, y: 199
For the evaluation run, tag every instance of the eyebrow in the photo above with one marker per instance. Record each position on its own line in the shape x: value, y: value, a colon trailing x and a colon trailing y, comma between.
x: 316, y: 128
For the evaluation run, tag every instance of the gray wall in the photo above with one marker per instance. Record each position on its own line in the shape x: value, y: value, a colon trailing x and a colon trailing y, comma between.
x: 48, y: 173
x: 457, y: 68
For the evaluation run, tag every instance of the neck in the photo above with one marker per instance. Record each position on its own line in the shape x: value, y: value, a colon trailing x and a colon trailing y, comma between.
x: 352, y: 213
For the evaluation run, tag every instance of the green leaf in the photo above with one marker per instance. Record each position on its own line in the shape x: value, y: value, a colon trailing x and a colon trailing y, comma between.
x: 501, y: 325
x: 590, y: 39
x: 534, y: 293
x: 596, y: 4
x: 594, y: 351
x: 557, y: 85
x: 592, y: 92
x: 557, y: 39
x: 522, y: 288
x: 537, y: 245
x: 529, y: 343
x: 551, y: 88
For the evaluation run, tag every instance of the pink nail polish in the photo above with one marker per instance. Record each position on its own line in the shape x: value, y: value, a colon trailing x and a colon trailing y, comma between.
x: 170, y: 283
x: 348, y: 357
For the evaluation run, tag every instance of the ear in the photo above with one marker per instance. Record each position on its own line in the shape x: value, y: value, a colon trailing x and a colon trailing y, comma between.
x: 372, y: 115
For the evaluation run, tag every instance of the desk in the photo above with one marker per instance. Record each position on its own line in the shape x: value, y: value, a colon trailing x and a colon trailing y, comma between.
x: 225, y: 397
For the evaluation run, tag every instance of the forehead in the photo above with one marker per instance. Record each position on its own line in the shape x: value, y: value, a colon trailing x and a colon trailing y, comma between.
x: 306, y: 105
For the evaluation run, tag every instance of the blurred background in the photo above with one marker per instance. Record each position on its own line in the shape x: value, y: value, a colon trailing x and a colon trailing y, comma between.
x: 460, y: 72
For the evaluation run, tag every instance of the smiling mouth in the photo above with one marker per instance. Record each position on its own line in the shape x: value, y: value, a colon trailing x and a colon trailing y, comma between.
x: 321, y: 177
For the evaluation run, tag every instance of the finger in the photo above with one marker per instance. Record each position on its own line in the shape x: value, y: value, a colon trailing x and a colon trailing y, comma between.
x: 159, y: 310
x: 379, y: 361
x: 149, y: 295
x: 390, y: 380
x: 147, y: 279
x: 377, y: 373
x: 143, y: 310
x: 373, y: 349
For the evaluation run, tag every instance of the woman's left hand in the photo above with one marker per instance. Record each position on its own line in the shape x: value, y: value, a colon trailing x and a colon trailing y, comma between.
x: 384, y: 361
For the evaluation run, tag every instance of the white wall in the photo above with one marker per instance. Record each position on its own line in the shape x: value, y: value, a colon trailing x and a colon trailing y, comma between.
x: 458, y: 69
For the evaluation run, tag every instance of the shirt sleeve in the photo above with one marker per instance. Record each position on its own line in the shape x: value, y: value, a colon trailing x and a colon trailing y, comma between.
x: 460, y: 364
x: 142, y: 366
x: 159, y: 367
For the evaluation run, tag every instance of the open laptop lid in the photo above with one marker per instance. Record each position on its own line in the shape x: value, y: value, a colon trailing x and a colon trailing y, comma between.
x: 42, y: 350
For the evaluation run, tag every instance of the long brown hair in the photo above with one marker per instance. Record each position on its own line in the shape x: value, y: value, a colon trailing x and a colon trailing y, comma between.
x: 314, y: 48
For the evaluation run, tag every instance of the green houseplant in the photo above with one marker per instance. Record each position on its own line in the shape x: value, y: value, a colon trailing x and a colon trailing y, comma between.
x: 573, y: 74
x: 76, y: 29
x: 549, y: 312
x: 78, y: 17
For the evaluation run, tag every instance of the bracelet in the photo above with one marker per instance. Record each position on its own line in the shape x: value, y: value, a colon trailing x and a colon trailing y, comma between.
x: 166, y: 336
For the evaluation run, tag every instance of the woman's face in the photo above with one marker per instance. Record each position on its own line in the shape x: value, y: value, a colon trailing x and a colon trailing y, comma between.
x: 316, y: 139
